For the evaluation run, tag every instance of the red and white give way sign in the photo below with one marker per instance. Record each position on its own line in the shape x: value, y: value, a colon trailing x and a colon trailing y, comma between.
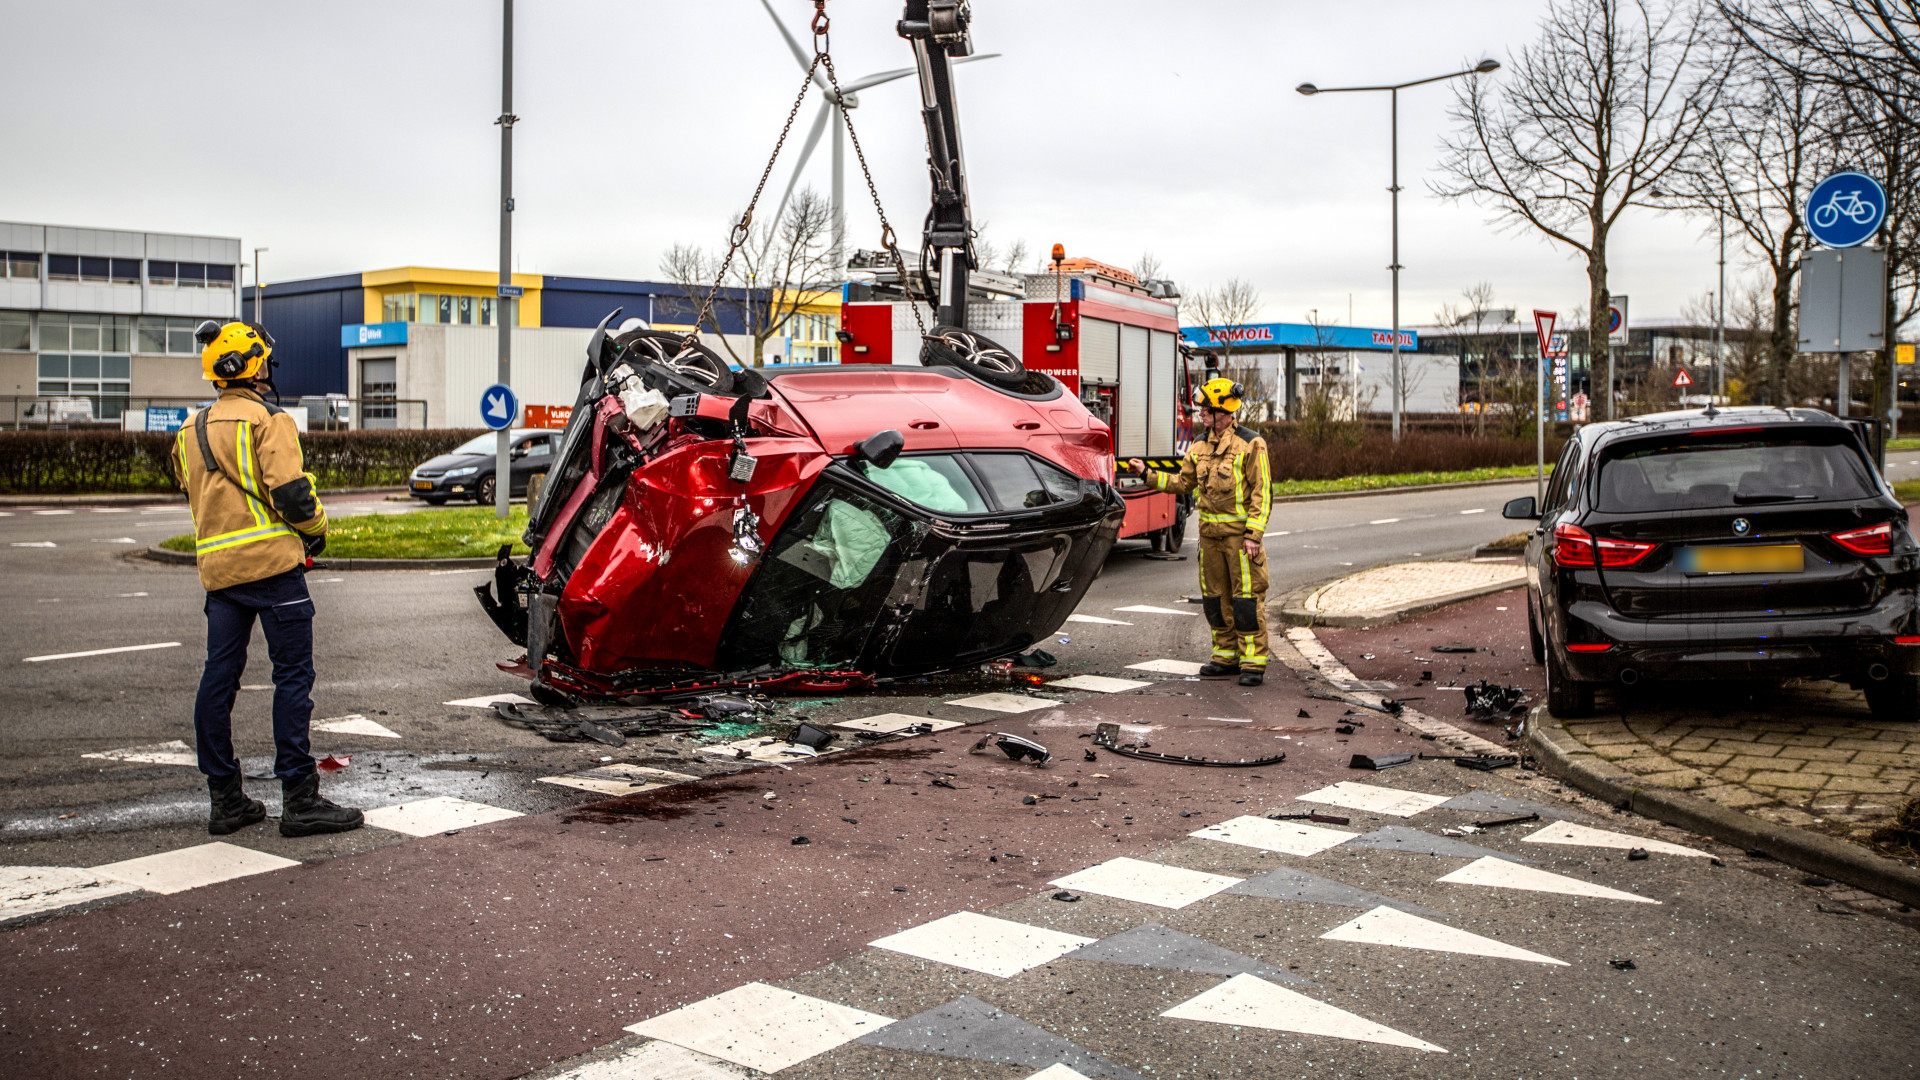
x: 1681, y: 378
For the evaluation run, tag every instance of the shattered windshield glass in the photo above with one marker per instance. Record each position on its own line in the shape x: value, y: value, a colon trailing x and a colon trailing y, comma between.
x: 820, y: 587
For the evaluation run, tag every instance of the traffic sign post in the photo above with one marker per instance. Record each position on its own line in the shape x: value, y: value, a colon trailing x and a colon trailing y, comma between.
x: 1682, y: 380
x: 498, y: 406
x: 1845, y: 209
x: 1543, y: 327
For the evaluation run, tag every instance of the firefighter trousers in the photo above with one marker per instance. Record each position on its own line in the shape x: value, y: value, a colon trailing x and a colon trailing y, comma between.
x: 1233, y: 587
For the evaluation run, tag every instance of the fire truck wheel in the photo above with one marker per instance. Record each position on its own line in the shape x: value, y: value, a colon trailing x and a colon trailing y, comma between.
x: 695, y: 362
x: 976, y: 354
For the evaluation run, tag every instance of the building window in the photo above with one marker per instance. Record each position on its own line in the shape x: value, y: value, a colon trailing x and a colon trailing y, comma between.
x: 219, y: 275
x: 16, y: 331
x: 95, y: 269
x: 180, y: 337
x: 64, y: 374
x: 150, y: 336
x: 125, y: 271
x: 160, y: 273
x: 398, y: 307
x: 53, y: 332
x: 190, y: 275
x: 21, y: 265
x: 63, y: 268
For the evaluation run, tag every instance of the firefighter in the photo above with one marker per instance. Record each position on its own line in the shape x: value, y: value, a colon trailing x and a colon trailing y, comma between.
x: 257, y: 522
x: 1228, y: 470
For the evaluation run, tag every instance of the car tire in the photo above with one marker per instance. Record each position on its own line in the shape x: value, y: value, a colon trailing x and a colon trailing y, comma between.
x: 483, y: 491
x: 694, y: 362
x: 1567, y: 698
x: 1895, y: 699
x: 976, y: 354
x: 1534, y: 642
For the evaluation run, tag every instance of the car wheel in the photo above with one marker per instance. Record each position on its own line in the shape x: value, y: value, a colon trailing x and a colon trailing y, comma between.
x: 483, y: 491
x: 1895, y: 699
x: 976, y: 354
x: 1567, y: 698
x: 1538, y: 646
x: 694, y: 362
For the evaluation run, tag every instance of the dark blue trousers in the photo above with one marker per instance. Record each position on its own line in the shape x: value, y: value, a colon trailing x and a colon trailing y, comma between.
x: 285, y: 613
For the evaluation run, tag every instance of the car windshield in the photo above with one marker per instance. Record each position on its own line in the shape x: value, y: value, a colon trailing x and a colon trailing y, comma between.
x: 479, y: 444
x: 1725, y: 471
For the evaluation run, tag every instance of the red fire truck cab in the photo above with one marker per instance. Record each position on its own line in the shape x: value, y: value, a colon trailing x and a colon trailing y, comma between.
x: 1111, y: 340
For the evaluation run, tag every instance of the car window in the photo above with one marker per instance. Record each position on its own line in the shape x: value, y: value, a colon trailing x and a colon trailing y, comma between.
x: 1013, y: 482
x: 540, y: 447
x: 480, y: 444
x: 1558, y: 494
x: 935, y: 481
x: 1725, y: 472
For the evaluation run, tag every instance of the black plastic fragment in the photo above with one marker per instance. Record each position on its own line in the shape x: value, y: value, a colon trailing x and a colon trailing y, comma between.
x: 1485, y: 762
x: 1455, y: 648
x: 601, y: 734
x: 1107, y: 737
x: 798, y: 840
x: 811, y: 737
x: 1066, y: 897
x: 1522, y: 819
x: 1379, y: 761
x: 1638, y: 854
x: 1344, y: 729
x: 1622, y: 965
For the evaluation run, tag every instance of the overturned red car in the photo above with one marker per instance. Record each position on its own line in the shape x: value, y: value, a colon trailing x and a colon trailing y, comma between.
x: 808, y: 528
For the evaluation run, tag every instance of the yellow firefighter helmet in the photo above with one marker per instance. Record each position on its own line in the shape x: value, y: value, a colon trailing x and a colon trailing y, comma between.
x: 230, y: 351
x: 1221, y: 393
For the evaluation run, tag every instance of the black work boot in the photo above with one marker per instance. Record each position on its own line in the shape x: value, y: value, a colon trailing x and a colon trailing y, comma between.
x: 304, y: 812
x: 1214, y: 669
x: 232, y: 810
x: 1252, y: 676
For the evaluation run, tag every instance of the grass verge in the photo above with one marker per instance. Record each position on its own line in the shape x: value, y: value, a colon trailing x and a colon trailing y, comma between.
x: 1904, y: 444
x: 1413, y: 479
x: 467, y: 533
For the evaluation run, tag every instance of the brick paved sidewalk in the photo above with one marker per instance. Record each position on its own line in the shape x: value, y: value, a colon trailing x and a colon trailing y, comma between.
x: 1808, y: 756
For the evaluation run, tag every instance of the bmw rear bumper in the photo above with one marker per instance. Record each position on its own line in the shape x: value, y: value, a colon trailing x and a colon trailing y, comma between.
x: 1839, y: 646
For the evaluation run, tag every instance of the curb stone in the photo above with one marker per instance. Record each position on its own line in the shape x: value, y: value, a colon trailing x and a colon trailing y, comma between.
x: 1294, y: 612
x: 1564, y: 756
x: 183, y: 558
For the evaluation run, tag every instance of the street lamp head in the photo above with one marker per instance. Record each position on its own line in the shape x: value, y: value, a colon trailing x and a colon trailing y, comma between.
x: 1489, y: 64
x: 1307, y: 89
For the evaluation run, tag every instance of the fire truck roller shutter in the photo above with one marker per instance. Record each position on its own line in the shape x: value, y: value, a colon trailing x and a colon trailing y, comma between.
x: 1164, y: 359
x: 1099, y: 351
x: 1135, y: 384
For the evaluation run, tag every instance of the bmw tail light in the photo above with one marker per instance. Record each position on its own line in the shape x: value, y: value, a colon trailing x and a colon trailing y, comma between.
x: 1907, y: 640
x: 1601, y: 647
x: 1575, y: 546
x: 1873, y: 540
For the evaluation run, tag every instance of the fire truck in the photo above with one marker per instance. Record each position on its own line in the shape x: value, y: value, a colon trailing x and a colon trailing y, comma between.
x: 1111, y: 340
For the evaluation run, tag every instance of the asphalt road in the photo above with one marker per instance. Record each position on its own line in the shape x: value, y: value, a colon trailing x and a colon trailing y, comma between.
x: 507, y: 947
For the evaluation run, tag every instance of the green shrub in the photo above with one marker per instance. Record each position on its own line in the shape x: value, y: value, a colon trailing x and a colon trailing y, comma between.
x: 98, y: 462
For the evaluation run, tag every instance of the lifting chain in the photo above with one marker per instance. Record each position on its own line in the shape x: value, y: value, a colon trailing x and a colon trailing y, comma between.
x: 742, y: 229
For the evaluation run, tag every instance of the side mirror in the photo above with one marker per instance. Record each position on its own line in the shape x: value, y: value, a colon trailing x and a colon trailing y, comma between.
x: 880, y: 448
x: 1522, y: 509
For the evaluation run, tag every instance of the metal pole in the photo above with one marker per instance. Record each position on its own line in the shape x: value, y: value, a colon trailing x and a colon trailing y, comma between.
x: 259, y: 299
x: 1540, y: 429
x: 1395, y: 139
x: 1720, y: 318
x: 502, y: 459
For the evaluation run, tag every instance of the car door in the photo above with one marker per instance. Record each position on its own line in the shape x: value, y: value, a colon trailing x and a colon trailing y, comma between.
x: 1541, y: 569
x: 531, y: 455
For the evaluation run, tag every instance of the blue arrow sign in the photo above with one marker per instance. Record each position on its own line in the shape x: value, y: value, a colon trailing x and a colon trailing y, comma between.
x: 1845, y: 209
x: 498, y: 406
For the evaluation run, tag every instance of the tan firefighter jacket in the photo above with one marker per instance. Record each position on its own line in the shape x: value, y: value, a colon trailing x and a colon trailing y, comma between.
x: 253, y: 506
x: 1229, y: 476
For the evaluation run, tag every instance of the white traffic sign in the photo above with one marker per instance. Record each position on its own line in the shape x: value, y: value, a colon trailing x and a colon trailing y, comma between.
x: 1543, y: 326
x: 1681, y: 379
x: 498, y: 406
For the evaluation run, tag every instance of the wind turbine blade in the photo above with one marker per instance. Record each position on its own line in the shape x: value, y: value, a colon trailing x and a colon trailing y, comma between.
x: 800, y: 55
x: 799, y: 164
x: 967, y: 59
x: 877, y: 78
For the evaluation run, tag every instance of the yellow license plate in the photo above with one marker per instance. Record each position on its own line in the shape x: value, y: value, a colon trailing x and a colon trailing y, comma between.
x: 423, y: 485
x: 1744, y: 559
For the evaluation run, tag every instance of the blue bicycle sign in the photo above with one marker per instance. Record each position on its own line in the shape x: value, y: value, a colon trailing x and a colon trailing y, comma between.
x: 1845, y: 209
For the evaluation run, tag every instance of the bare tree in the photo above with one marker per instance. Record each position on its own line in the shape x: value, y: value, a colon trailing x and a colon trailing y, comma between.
x: 1767, y: 145
x: 1147, y: 267
x: 1226, y: 312
x: 1589, y: 118
x: 1864, y: 46
x: 1016, y: 258
x: 777, y: 270
x: 1483, y: 354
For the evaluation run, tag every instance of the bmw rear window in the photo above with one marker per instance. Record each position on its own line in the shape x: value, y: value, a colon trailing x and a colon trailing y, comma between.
x: 1728, y: 469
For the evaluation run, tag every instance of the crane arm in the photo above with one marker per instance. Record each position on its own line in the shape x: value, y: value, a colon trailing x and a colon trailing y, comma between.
x: 938, y: 31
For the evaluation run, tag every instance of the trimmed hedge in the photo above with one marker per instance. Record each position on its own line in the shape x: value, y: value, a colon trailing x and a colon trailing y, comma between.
x: 99, y: 462
x: 1374, y: 453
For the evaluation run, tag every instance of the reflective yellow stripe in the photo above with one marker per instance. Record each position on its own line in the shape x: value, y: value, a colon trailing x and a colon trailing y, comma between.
x: 1263, y: 494
x: 1239, y: 490
x: 243, y: 454
x: 1216, y: 518
x: 1246, y: 576
x: 239, y: 537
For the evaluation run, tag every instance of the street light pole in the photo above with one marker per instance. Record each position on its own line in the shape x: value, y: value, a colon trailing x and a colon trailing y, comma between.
x: 259, y: 299
x: 503, y: 457
x: 1393, y: 91
x: 1720, y: 318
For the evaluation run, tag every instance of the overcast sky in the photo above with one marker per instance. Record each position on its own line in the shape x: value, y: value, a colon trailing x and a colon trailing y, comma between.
x: 357, y: 134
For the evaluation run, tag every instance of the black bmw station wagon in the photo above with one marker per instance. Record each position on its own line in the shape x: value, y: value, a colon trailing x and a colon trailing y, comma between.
x: 1746, y: 543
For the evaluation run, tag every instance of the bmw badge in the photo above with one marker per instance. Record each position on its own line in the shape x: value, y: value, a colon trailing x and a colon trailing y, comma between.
x: 1741, y: 526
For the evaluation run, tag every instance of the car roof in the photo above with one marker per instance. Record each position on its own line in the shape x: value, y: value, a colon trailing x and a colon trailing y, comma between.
x: 1700, y: 420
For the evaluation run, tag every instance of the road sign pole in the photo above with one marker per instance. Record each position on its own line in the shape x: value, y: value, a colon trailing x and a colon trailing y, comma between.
x: 1543, y: 331
x: 503, y: 306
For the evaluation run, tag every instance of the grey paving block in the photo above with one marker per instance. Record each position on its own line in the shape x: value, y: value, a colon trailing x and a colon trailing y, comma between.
x: 1287, y: 883
x: 1155, y: 946
x: 1402, y: 838
x: 970, y: 1028
x: 1486, y: 802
